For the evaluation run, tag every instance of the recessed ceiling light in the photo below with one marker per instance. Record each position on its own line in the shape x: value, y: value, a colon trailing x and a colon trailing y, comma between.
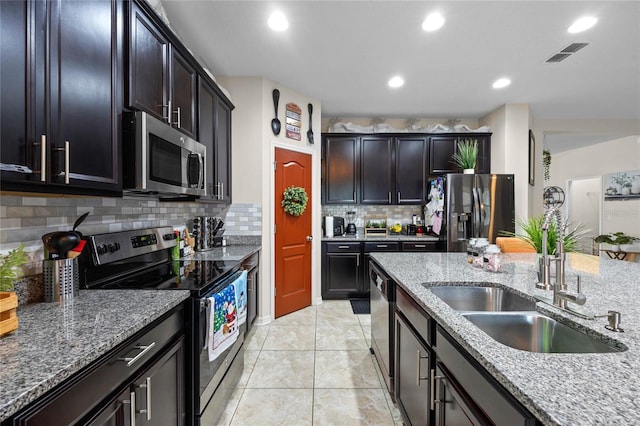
x: 396, y: 81
x: 582, y: 24
x: 278, y: 22
x: 433, y: 22
x: 501, y: 82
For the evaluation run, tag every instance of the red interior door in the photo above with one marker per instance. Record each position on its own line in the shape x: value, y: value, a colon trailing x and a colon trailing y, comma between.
x: 293, y: 235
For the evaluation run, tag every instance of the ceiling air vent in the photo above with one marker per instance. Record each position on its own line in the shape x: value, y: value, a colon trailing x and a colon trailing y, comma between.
x: 566, y: 52
x: 558, y: 57
x: 573, y: 47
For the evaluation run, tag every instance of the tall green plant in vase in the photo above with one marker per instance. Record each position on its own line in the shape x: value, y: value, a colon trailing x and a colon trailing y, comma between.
x: 532, y: 234
x: 466, y: 155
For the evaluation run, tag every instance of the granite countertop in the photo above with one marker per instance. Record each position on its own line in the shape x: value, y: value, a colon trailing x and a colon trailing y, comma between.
x: 389, y: 237
x: 561, y: 388
x: 230, y: 253
x: 56, y: 340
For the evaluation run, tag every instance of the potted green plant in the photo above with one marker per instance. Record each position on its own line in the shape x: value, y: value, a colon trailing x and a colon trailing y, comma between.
x: 532, y: 234
x: 10, y: 269
x: 466, y: 155
x: 616, y: 240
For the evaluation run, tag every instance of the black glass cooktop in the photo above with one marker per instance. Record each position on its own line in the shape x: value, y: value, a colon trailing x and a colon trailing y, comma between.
x: 194, y: 275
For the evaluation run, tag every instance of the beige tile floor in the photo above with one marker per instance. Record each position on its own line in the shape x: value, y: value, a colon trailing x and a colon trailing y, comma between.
x: 311, y: 367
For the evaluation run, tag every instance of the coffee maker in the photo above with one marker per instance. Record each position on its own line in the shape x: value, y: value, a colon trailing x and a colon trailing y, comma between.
x: 351, y: 226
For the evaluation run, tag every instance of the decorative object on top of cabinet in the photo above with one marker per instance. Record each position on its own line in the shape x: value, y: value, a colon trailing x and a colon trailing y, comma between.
x: 443, y: 147
x: 466, y: 155
x: 379, y: 126
x: 310, y: 131
x: 293, y: 123
x: 275, y: 123
x: 59, y: 136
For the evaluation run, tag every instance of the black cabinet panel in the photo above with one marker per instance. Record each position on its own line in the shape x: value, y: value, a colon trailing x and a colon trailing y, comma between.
x: 183, y: 94
x: 442, y: 147
x: 410, y: 179
x: 340, y: 170
x: 376, y: 158
x: 342, y: 271
x: 60, y: 130
x: 148, y: 66
x: 223, y: 150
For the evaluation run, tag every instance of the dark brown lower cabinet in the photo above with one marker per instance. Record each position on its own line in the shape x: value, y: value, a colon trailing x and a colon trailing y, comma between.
x: 412, y: 380
x: 452, y: 405
x: 341, y: 271
x: 141, y: 382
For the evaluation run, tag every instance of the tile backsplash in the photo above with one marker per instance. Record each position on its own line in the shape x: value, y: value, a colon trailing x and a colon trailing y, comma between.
x: 26, y: 219
x: 394, y: 214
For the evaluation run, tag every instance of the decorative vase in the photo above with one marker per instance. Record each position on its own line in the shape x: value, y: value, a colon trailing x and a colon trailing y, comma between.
x: 468, y: 171
x: 635, y: 185
x: 8, y: 315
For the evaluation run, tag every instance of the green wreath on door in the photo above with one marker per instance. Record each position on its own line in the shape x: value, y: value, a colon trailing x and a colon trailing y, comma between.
x: 294, y: 200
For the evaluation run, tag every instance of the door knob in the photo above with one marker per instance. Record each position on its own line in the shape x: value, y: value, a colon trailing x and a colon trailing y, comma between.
x: 309, y: 238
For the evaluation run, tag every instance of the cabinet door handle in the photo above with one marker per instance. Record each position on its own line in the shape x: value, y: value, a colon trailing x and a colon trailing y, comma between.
x: 67, y: 167
x: 420, y: 246
x: 389, y: 197
x: 381, y: 246
x: 354, y: 196
x: 43, y: 157
x: 432, y: 392
x: 147, y: 386
x: 222, y: 190
x: 343, y: 247
x: 132, y: 408
x: 419, y: 357
x: 178, y: 118
x: 358, y: 260
x: 145, y: 349
x: 398, y: 196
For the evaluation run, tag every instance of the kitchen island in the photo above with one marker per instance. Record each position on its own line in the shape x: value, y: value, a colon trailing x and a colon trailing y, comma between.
x: 557, y: 388
x: 54, y: 341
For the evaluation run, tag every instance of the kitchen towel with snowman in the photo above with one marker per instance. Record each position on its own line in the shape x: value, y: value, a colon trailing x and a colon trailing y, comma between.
x: 223, y: 327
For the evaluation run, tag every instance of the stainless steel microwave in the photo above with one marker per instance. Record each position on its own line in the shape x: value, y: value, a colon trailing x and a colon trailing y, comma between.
x: 159, y: 159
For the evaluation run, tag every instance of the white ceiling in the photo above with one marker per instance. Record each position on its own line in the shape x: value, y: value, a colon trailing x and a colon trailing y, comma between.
x: 344, y: 52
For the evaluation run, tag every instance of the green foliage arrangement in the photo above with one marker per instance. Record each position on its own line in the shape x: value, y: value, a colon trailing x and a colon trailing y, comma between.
x: 532, y: 228
x: 467, y: 153
x: 10, y: 265
x: 616, y: 238
x: 294, y: 200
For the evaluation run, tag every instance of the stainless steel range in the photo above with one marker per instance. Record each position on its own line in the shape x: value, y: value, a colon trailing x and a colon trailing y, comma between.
x: 141, y: 259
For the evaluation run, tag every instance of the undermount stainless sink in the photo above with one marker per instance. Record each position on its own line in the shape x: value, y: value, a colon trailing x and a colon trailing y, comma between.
x: 535, y: 332
x: 475, y: 298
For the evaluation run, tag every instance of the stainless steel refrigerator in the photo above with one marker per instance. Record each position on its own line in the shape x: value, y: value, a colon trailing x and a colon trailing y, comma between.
x: 478, y: 206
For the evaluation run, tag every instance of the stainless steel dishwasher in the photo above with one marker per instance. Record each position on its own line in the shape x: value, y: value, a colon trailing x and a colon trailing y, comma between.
x: 382, y: 305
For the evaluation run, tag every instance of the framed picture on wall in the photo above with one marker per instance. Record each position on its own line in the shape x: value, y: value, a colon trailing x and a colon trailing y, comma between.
x: 621, y: 185
x: 532, y: 159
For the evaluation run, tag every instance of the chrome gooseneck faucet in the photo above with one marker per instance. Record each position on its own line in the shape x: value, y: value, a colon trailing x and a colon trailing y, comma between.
x: 561, y: 295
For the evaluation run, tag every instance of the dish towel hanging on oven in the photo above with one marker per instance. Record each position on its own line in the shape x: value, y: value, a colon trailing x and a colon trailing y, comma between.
x: 222, y: 329
x: 241, y: 297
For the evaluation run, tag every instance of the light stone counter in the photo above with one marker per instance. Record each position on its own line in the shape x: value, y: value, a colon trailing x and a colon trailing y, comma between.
x: 564, y: 389
x: 56, y: 340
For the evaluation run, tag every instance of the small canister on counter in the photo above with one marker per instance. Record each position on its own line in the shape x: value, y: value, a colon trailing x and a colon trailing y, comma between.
x: 478, y: 254
x: 471, y: 249
x: 493, y: 258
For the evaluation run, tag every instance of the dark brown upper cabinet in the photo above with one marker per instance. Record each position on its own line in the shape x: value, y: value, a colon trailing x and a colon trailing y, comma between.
x: 340, y: 169
x: 161, y: 81
x: 442, y: 147
x: 376, y: 174
x: 61, y: 96
x: 411, y: 161
x: 215, y: 133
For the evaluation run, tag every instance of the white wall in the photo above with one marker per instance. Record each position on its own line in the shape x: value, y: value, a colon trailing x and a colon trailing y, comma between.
x: 253, y: 153
x: 510, y: 125
x: 597, y: 160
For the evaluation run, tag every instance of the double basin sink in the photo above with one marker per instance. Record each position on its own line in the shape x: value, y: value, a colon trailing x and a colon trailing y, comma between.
x: 513, y: 321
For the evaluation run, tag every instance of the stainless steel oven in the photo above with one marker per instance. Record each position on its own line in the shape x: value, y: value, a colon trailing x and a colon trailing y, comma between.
x: 141, y: 259
x: 159, y: 159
